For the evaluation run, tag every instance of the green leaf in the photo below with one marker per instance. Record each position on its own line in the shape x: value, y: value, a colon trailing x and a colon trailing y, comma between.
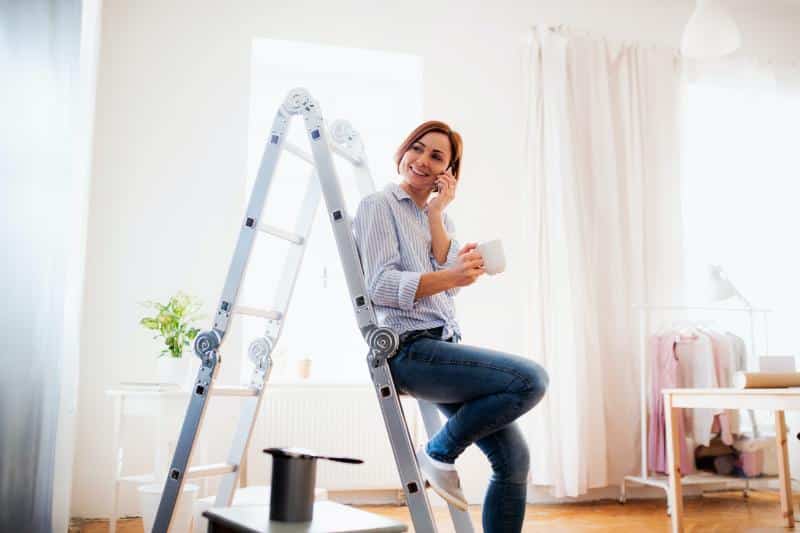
x: 172, y: 322
x: 149, y: 323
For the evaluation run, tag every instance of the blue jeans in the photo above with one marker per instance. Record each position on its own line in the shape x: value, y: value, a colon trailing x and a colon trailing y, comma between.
x: 481, y: 392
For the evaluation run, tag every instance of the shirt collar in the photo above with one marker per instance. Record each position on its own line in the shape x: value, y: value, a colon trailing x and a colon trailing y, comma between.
x: 398, y: 192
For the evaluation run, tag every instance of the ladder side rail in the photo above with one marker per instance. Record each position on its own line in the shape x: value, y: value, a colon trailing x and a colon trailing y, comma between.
x: 433, y: 423
x: 340, y: 221
x: 290, y: 272
x: 207, y: 343
x: 403, y: 449
x: 184, y: 449
x: 379, y: 339
x: 249, y: 411
x: 241, y: 255
x: 291, y: 266
x: 347, y: 139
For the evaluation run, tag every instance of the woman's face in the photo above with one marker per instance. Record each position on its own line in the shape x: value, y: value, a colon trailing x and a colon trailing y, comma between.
x: 427, y: 157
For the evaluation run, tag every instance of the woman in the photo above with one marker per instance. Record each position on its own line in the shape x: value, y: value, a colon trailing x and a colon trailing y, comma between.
x: 414, y: 269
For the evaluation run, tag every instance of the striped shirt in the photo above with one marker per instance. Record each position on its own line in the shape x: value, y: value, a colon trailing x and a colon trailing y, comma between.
x: 394, y: 240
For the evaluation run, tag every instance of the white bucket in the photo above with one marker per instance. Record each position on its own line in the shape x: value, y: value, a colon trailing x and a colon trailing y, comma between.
x: 150, y: 497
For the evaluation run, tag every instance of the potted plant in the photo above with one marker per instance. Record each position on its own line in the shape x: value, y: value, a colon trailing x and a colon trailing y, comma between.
x: 173, y: 324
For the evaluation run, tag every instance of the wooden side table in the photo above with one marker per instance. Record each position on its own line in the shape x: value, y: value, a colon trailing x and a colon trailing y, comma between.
x: 777, y: 400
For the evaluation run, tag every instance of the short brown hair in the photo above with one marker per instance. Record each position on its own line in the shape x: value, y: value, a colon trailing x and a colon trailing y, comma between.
x: 456, y: 145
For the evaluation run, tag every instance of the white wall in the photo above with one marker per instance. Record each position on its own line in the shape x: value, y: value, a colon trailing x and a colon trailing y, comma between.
x: 171, y: 138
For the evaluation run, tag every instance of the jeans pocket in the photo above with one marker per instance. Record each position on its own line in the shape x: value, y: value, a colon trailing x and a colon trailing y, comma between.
x: 422, y: 350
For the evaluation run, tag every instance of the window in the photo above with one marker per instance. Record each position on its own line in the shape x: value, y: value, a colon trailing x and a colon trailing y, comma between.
x: 380, y: 93
x: 741, y: 185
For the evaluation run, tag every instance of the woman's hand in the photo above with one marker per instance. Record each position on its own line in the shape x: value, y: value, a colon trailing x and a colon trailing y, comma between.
x: 468, y: 267
x: 446, y: 184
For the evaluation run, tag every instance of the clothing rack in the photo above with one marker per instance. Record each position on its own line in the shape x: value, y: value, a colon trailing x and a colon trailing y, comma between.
x: 662, y: 481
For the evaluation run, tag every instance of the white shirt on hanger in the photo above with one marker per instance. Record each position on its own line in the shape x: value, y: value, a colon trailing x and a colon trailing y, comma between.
x: 696, y: 358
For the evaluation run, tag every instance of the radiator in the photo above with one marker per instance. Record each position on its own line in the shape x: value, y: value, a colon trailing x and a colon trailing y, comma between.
x: 338, y: 420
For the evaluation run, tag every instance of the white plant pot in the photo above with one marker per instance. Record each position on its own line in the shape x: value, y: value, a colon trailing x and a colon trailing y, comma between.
x: 150, y: 498
x: 174, y: 370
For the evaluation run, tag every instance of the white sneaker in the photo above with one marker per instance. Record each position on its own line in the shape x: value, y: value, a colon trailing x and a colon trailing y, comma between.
x: 444, y: 482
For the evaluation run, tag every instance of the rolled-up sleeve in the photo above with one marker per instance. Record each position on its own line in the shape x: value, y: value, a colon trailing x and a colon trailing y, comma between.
x: 375, y: 234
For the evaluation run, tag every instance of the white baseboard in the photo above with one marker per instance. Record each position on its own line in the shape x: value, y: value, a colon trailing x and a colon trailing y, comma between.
x: 542, y: 495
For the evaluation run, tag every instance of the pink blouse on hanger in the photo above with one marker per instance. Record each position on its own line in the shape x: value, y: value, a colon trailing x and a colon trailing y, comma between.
x: 665, y: 374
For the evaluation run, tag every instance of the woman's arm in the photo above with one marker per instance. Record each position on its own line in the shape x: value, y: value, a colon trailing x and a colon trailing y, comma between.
x: 433, y: 283
x: 467, y: 266
x: 444, y: 247
x: 440, y: 239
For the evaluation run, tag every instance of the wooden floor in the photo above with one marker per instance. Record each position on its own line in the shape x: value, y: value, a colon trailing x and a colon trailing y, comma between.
x: 721, y: 512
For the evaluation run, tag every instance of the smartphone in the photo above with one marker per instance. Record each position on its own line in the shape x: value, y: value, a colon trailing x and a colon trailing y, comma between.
x: 436, y: 185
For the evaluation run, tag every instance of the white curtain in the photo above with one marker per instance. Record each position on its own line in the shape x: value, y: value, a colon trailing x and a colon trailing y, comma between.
x: 604, y: 231
x: 43, y: 198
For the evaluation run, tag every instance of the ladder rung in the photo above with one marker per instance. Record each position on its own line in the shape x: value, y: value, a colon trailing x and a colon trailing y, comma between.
x: 234, y: 391
x: 218, y: 469
x: 299, y: 152
x: 277, y: 232
x: 302, y: 154
x: 262, y: 313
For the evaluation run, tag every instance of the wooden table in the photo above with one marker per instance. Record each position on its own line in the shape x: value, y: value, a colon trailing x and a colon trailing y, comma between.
x: 777, y: 400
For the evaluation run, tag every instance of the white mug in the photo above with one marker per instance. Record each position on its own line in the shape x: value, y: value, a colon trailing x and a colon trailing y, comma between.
x: 494, y: 260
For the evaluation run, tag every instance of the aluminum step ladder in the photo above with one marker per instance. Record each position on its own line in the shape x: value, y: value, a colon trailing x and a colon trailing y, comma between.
x: 383, y: 342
